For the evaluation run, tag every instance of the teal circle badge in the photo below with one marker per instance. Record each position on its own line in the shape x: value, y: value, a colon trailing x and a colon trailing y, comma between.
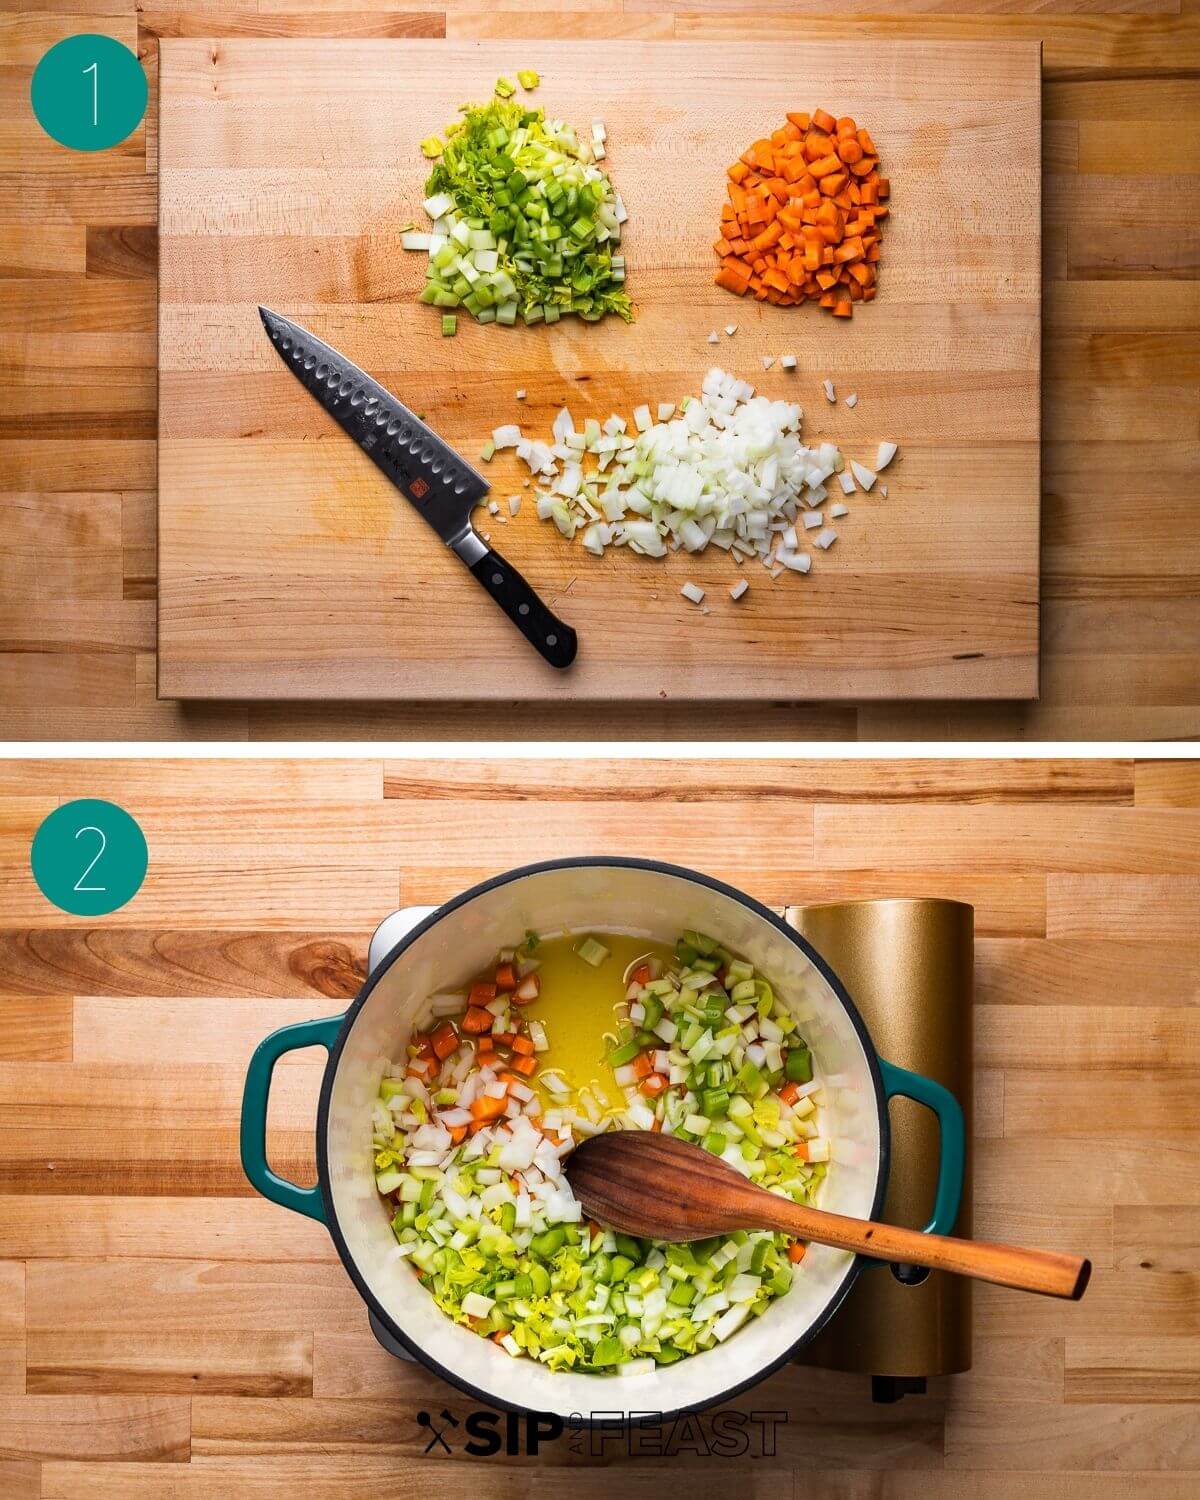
x: 89, y: 857
x: 88, y: 92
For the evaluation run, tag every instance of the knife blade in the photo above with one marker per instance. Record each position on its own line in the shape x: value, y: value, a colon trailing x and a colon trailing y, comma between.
x: 440, y: 485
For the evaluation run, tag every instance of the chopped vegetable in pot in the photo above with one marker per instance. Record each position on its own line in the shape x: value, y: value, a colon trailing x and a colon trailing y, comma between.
x: 472, y: 1125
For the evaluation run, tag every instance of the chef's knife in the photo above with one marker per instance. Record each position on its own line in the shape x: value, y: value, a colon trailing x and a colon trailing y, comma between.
x: 440, y: 486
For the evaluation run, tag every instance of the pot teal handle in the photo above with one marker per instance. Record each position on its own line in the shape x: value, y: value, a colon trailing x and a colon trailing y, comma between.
x: 322, y: 1033
x: 952, y: 1133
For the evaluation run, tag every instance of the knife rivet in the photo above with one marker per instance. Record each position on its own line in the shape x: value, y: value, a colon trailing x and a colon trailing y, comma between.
x: 522, y: 609
x: 552, y: 640
x: 497, y: 579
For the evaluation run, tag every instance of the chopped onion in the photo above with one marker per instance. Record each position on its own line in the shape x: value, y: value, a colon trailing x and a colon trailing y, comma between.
x: 887, y: 451
x: 830, y: 393
x: 738, y: 589
x: 692, y: 591
x: 838, y: 511
x: 866, y: 477
x: 825, y: 539
x: 852, y: 399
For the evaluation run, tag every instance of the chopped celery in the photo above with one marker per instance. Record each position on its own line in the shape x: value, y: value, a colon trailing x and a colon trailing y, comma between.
x: 797, y: 1065
x: 625, y: 1053
x: 534, y: 186
x: 549, y: 1243
x: 592, y: 951
x: 449, y: 325
x: 528, y: 78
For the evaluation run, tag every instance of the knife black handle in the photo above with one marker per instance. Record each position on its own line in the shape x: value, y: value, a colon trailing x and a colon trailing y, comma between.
x: 540, y: 626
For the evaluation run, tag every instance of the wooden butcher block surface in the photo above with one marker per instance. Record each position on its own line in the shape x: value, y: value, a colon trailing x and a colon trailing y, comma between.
x: 290, y: 568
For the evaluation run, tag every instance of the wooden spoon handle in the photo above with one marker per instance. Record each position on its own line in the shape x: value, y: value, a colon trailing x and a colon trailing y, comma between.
x: 1044, y: 1271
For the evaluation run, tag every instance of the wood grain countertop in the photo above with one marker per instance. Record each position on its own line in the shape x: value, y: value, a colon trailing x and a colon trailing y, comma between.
x: 1121, y: 397
x: 166, y: 1335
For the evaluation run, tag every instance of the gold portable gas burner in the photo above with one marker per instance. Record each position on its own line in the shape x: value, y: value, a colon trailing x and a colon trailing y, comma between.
x: 908, y: 966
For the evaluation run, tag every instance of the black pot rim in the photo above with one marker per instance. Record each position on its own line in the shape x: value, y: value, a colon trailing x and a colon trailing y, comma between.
x: 620, y: 862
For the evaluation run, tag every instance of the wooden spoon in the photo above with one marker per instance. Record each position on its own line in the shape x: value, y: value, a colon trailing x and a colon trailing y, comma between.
x: 659, y: 1187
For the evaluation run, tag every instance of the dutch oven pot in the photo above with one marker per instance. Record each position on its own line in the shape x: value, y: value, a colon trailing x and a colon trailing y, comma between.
x: 455, y: 944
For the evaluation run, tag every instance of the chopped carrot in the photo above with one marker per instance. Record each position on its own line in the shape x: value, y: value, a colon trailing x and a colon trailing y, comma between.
x: 642, y: 1065
x: 800, y: 1149
x: 476, y: 1021
x: 641, y: 975
x: 789, y: 1093
x: 526, y: 1066
x: 457, y: 1133
x: 796, y: 1251
x: 483, y: 992
x: 503, y: 1038
x: 652, y: 1085
x: 486, y: 1108
x: 444, y: 1040
x: 506, y: 977
x: 802, y: 217
x: 523, y: 1045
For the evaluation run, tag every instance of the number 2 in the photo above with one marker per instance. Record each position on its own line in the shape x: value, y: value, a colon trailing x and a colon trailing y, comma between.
x: 90, y: 828
x: 94, y: 70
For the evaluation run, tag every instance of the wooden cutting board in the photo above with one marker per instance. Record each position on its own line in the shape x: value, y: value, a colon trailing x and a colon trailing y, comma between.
x: 289, y: 568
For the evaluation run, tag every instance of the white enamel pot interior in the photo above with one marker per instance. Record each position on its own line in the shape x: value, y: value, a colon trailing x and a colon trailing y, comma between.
x: 454, y: 945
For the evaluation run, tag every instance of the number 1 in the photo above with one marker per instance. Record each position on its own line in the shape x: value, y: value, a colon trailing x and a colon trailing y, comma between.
x: 95, y: 72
